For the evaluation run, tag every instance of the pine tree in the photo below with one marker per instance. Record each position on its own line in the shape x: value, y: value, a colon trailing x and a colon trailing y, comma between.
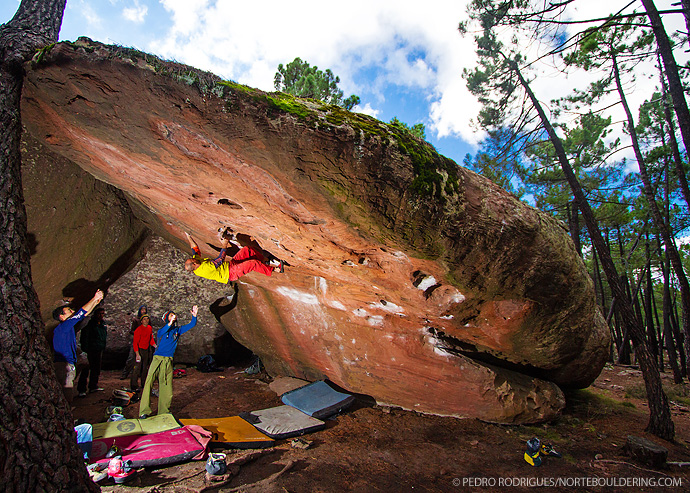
x: 300, y: 79
x: 501, y: 86
x: 39, y: 451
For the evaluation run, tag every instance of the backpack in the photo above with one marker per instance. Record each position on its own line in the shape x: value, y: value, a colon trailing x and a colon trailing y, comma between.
x: 207, y: 364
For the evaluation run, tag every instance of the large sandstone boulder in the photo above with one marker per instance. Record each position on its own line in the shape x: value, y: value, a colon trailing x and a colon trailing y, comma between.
x: 410, y: 279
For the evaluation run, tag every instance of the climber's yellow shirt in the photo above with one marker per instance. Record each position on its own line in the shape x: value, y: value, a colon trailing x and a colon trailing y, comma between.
x: 209, y: 271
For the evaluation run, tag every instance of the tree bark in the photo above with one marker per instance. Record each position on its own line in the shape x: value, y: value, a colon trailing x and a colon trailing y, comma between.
x: 574, y: 225
x: 659, y: 223
x: 660, y: 422
x: 39, y: 451
x: 675, y: 87
x: 673, y: 142
x: 668, y: 330
x: 648, y: 309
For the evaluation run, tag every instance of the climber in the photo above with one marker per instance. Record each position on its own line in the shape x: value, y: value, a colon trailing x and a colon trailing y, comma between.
x: 162, y: 363
x: 65, y: 343
x: 223, y: 270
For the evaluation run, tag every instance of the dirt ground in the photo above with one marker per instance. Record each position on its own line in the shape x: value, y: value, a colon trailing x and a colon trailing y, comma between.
x: 372, y: 448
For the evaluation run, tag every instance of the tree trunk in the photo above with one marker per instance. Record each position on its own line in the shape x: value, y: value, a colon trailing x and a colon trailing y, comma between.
x: 675, y: 87
x: 574, y: 225
x: 659, y: 335
x: 669, y: 318
x: 680, y: 339
x: 599, y: 281
x: 647, y: 300
x: 659, y: 223
x: 673, y: 142
x: 660, y: 422
x: 39, y: 451
x: 668, y: 331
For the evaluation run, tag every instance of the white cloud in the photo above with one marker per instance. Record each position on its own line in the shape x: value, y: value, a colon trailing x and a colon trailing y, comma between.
x: 412, y: 45
x: 373, y: 46
x: 87, y: 11
x: 186, y: 15
x: 136, y: 14
x: 552, y: 84
x: 367, y: 110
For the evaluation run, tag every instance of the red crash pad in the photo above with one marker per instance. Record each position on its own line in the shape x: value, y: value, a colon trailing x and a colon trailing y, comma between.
x: 156, y: 449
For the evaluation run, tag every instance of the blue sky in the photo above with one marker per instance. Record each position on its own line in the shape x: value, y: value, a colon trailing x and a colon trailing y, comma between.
x: 404, y: 58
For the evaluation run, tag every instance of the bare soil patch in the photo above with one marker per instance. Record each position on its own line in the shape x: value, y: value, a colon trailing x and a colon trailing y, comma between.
x: 372, y: 448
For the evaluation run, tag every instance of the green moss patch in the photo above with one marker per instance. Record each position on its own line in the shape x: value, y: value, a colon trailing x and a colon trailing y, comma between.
x: 587, y: 403
x: 41, y: 54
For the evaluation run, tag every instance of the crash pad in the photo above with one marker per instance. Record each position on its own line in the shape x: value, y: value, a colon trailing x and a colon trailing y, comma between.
x: 283, y: 422
x: 157, y: 449
x: 318, y: 400
x: 232, y: 431
x: 280, y: 385
x: 125, y: 427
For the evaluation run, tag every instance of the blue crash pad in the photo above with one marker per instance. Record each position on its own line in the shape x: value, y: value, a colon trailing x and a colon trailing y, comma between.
x: 318, y: 400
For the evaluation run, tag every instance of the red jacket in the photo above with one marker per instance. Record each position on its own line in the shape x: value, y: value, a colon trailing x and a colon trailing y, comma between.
x: 143, y: 337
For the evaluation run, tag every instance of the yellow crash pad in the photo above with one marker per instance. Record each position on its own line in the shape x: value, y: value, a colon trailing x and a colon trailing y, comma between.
x: 154, y: 424
x: 232, y: 431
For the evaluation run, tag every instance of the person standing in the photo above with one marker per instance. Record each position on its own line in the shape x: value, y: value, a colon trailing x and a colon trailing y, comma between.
x: 93, y: 342
x: 65, y: 342
x: 131, y: 360
x: 162, y: 364
x: 143, y: 345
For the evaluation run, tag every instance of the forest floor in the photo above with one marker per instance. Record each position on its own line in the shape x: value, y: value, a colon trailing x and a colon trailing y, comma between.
x: 372, y: 448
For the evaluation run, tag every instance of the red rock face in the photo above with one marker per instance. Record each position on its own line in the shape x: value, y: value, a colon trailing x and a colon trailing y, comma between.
x: 409, y: 279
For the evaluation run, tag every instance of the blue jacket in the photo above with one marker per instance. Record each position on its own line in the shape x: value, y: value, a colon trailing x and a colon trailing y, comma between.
x: 65, y: 339
x: 168, y: 336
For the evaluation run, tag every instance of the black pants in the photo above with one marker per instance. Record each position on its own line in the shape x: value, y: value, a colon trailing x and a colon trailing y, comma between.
x: 141, y: 369
x: 90, y: 373
x: 129, y: 364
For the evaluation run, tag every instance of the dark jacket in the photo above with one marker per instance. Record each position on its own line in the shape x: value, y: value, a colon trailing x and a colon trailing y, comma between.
x: 93, y: 336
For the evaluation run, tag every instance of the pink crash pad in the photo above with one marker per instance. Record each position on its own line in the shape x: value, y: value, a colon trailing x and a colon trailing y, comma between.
x: 156, y: 449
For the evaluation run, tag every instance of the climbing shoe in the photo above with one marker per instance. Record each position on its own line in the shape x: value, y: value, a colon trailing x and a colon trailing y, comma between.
x: 215, y: 465
x: 113, y: 410
x: 547, y: 449
x: 97, y: 472
x: 113, y: 451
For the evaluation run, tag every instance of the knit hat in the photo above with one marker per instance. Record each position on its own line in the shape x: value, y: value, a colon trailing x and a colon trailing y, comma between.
x: 143, y: 317
x: 142, y: 307
x: 165, y: 316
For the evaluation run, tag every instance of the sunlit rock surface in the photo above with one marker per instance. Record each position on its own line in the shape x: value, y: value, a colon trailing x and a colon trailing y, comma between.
x: 410, y: 279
